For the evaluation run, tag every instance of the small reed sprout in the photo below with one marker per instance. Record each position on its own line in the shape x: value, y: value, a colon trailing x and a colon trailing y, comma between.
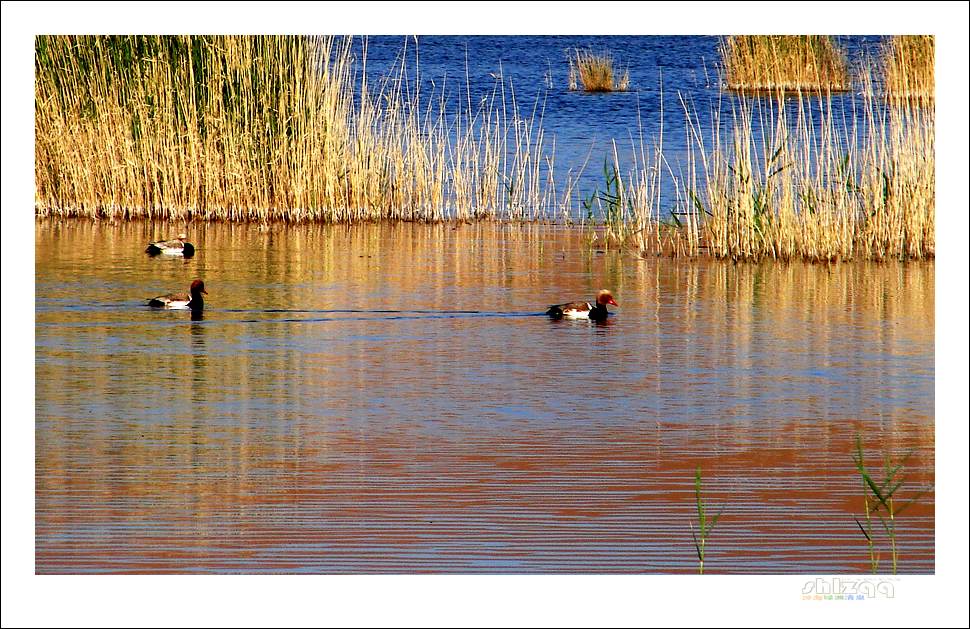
x: 767, y: 63
x: 908, y: 63
x: 880, y: 503
x: 705, y: 525
x: 594, y: 72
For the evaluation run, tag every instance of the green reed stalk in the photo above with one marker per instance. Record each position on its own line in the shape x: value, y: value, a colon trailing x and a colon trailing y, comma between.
x: 867, y: 529
x: 704, y: 525
x: 879, y: 499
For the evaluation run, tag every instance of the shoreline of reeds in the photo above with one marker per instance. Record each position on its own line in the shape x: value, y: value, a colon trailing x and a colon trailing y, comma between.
x: 908, y: 69
x: 302, y: 138
x: 754, y: 64
x: 276, y: 127
x: 808, y: 184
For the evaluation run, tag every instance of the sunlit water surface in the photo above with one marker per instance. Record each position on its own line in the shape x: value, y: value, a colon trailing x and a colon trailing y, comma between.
x: 584, y: 132
x: 391, y: 399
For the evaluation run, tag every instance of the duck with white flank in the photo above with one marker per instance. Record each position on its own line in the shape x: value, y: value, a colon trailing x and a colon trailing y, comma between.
x: 175, y: 247
x: 583, y: 309
x: 181, y: 301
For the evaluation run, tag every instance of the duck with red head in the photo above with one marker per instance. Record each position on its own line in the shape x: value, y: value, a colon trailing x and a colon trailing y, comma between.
x: 583, y: 309
x: 180, y: 301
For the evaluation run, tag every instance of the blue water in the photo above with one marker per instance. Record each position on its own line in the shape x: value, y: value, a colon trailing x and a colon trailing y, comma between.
x: 666, y: 73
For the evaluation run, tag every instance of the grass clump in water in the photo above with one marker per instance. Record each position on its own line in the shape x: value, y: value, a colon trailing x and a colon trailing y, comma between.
x: 766, y: 63
x: 595, y: 73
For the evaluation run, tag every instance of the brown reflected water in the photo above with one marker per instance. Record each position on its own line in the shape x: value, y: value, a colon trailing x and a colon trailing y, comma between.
x: 389, y: 398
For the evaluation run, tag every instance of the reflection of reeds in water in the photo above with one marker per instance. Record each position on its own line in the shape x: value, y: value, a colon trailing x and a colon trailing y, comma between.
x: 908, y: 63
x: 266, y: 128
x: 755, y: 63
x: 743, y: 300
x: 594, y: 72
x: 820, y: 297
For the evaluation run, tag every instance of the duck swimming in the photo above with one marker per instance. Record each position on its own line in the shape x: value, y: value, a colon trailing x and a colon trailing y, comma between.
x: 175, y: 247
x: 583, y: 309
x: 180, y: 301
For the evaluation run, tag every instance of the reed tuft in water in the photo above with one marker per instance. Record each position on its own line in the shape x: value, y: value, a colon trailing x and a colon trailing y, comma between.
x: 594, y: 72
x: 766, y: 63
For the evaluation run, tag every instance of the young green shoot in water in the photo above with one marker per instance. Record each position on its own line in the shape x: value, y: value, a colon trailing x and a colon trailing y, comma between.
x: 880, y: 502
x: 704, y: 526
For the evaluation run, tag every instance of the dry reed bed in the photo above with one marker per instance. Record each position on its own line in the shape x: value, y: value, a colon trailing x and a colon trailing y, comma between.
x: 766, y: 63
x: 281, y: 129
x: 783, y: 187
x: 791, y: 178
x: 909, y: 62
x: 267, y: 128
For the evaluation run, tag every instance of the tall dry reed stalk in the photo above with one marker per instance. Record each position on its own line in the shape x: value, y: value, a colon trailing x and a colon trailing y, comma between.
x: 268, y: 128
x: 909, y: 62
x: 765, y: 63
x: 632, y: 201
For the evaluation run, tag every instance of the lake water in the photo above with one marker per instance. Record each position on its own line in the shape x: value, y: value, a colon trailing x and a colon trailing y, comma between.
x: 667, y: 74
x: 390, y: 398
